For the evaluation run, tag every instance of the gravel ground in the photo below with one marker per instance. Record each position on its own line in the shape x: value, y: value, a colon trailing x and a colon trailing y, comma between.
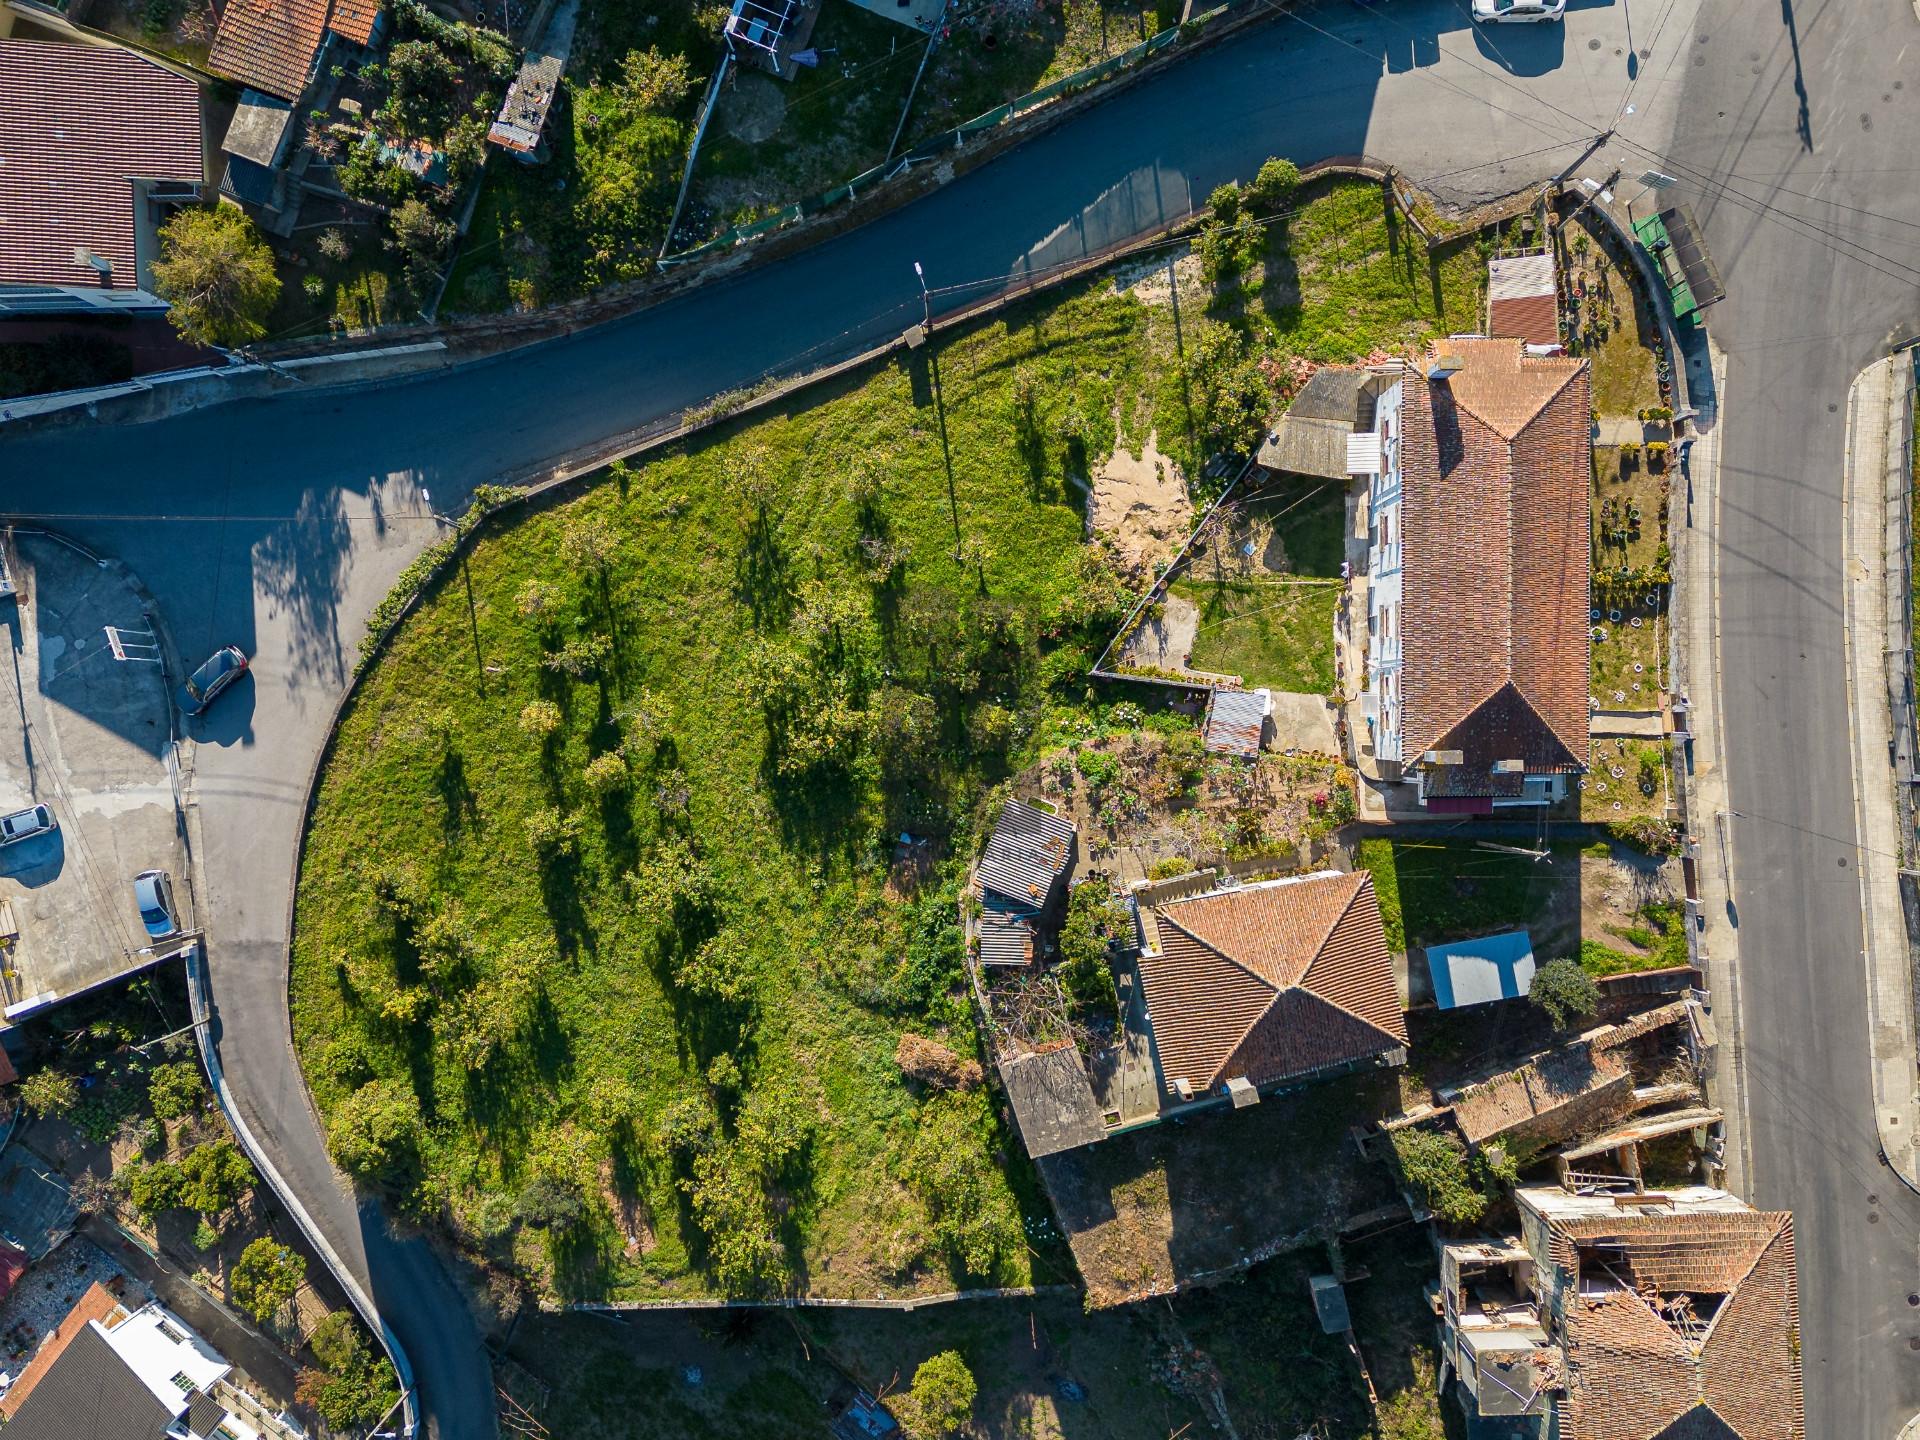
x: 47, y: 1291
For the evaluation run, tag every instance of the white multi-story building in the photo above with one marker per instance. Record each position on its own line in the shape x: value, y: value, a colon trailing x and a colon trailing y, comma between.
x: 1479, y: 574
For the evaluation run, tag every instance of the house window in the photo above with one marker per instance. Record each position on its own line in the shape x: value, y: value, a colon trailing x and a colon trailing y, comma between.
x: 172, y: 1334
x: 181, y: 1379
x: 1386, y: 529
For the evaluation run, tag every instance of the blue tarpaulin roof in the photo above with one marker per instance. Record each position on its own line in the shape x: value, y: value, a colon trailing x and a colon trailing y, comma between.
x: 1474, y: 972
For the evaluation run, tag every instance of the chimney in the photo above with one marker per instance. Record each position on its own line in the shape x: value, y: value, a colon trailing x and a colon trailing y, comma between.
x: 1445, y: 366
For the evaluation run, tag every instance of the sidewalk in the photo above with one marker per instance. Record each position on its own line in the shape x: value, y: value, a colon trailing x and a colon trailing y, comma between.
x: 1695, y: 530
x: 1877, y: 420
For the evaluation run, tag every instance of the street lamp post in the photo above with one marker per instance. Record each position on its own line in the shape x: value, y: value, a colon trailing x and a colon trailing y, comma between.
x: 926, y: 299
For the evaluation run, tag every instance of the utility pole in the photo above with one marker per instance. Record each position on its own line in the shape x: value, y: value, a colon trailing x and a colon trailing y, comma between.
x: 926, y: 299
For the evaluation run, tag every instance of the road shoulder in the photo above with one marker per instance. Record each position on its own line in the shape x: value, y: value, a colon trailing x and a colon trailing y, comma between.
x: 1877, y: 458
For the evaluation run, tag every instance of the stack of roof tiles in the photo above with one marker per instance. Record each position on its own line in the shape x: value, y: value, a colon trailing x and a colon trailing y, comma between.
x: 78, y: 124
x: 1496, y: 479
x: 1698, y: 1338
x: 1270, y: 981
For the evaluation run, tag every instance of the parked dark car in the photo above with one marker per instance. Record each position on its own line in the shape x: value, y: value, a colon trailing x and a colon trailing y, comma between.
x: 223, y: 667
x: 153, y: 894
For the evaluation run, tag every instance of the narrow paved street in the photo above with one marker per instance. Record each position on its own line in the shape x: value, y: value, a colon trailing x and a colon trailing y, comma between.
x: 1813, y: 219
x: 278, y: 524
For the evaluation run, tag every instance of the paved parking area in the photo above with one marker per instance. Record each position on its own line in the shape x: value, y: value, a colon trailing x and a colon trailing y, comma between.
x: 89, y: 736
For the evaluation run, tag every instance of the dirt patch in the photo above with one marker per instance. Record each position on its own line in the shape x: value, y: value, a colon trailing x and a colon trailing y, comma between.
x: 1156, y: 282
x: 1144, y: 797
x: 755, y: 110
x: 1140, y: 503
x: 1164, y: 641
x: 1249, y: 540
x: 1614, y: 890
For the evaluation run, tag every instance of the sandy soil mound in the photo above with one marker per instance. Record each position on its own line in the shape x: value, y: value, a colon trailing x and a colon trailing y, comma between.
x: 1140, y: 503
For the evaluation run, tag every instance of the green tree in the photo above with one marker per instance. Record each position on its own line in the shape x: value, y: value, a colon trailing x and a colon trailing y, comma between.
x: 50, y: 1092
x: 1564, y: 991
x: 375, y: 1132
x: 940, y: 1401
x: 174, y: 1091
x: 217, y: 274
x: 550, y: 1202
x: 1093, y: 922
x: 213, y: 1176
x: 606, y: 773
x: 906, y: 734
x: 540, y: 718
x: 1438, y: 1168
x: 946, y: 1166
x: 421, y: 237
x: 1274, y: 187
x: 423, y: 86
x: 265, y: 1277
x: 353, y: 1388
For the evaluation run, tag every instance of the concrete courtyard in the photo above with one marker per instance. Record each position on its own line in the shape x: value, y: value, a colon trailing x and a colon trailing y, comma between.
x: 90, y: 736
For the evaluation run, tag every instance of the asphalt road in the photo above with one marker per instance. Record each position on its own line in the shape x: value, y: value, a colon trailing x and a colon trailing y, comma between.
x: 1814, y: 226
x: 278, y: 524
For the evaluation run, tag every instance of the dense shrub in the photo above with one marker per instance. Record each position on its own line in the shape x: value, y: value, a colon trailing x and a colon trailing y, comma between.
x: 265, y: 1277
x: 1564, y: 991
x: 1439, y: 1169
x: 176, y: 1090
x: 375, y: 1132
x: 940, y: 1401
x: 1093, y: 923
x: 946, y: 1167
x: 353, y: 1387
x: 50, y: 1092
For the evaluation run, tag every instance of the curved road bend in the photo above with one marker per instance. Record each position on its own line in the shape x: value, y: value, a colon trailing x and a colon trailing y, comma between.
x: 278, y: 524
x: 1809, y: 112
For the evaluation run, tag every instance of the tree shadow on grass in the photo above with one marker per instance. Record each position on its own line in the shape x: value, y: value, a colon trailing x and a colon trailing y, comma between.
x: 763, y: 573
x: 450, y: 782
x: 560, y: 887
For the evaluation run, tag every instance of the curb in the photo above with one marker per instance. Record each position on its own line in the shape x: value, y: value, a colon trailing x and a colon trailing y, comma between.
x: 1867, y: 534
x: 201, y: 1001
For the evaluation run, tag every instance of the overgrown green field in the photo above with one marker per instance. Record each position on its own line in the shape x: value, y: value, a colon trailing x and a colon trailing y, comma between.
x: 614, y: 992
x: 1266, y: 631
x: 596, y: 956
x: 1432, y: 891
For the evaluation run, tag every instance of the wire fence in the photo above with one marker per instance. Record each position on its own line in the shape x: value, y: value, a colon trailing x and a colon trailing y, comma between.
x: 949, y: 141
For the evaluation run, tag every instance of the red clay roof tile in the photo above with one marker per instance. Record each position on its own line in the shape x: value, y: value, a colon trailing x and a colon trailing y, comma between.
x: 98, y: 119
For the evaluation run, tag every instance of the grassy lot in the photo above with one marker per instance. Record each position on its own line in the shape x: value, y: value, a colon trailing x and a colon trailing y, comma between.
x: 1641, y: 788
x: 1432, y: 891
x: 1347, y: 276
x: 788, y: 667
x: 1269, y: 632
x: 319, y: 296
x: 1656, y: 939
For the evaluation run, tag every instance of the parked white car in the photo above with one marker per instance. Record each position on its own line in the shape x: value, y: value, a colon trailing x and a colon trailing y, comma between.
x: 25, y: 824
x: 1517, y: 12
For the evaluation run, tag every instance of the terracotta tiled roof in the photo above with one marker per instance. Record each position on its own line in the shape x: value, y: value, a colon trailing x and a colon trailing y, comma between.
x: 354, y: 19
x: 1270, y: 981
x: 1541, y: 1091
x: 96, y: 1304
x: 269, y: 44
x: 1533, y: 318
x: 79, y: 123
x: 1496, y: 480
x: 1632, y: 1375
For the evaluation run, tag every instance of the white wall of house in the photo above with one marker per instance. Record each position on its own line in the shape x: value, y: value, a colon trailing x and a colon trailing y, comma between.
x: 1384, y: 601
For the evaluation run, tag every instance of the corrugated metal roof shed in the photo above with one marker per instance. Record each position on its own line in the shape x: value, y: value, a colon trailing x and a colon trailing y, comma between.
x: 1026, y: 857
x: 1006, y: 932
x: 1482, y: 970
x: 1330, y: 1304
x: 1236, y: 722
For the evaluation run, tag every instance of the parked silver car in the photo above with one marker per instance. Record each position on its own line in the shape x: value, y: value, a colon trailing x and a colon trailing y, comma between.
x: 153, y: 895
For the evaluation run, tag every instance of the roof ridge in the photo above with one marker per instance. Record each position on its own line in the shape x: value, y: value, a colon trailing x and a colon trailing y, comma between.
x: 1333, y: 1004
x: 1442, y: 731
x: 1360, y: 879
x: 1274, y: 992
x: 1781, y: 1220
